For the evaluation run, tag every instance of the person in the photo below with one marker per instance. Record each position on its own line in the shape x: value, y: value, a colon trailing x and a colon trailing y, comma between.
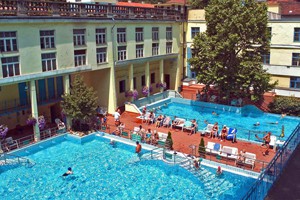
x: 117, y: 116
x: 138, y: 147
x: 267, y: 139
x: 196, y: 164
x: 214, y: 113
x: 283, y: 115
x: 273, y: 122
x: 158, y: 121
x: 151, y: 118
x: 121, y: 127
x: 112, y: 143
x: 224, y: 133
x: 104, y: 121
x: 219, y: 171
x: 194, y: 126
x: 148, y: 136
x: 144, y: 110
x: 241, y: 156
x: 256, y: 124
x: 155, y: 137
x: 214, y: 130
x: 68, y: 172
x: 116, y: 132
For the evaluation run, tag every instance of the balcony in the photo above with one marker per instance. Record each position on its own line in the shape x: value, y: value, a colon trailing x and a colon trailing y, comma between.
x: 25, y: 8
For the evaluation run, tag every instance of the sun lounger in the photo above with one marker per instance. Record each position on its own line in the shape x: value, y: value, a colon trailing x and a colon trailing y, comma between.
x: 162, y: 138
x: 229, y: 152
x: 179, y: 123
x: 231, y: 134
x: 250, y: 159
x: 213, y: 148
x: 167, y: 122
x: 207, y: 129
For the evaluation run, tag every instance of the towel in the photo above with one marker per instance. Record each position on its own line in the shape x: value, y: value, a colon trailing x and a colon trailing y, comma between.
x: 217, y: 147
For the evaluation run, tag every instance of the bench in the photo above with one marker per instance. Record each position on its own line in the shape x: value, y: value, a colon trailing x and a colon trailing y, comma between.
x: 229, y: 152
x: 249, y: 160
x: 162, y: 138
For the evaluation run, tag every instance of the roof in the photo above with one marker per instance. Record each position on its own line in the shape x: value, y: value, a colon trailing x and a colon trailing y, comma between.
x: 144, y: 5
x: 177, y: 2
x: 290, y: 8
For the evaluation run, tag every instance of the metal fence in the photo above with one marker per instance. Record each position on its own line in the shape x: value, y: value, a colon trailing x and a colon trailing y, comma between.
x: 274, y: 169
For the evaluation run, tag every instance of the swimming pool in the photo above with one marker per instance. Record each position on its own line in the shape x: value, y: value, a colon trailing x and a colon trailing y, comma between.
x: 243, y: 119
x: 104, y: 172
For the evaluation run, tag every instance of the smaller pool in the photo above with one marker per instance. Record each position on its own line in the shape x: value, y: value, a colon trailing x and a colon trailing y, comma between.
x: 243, y: 119
x: 104, y: 172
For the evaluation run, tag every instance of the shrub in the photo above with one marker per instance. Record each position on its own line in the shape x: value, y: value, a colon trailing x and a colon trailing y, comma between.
x: 169, y: 141
x: 288, y: 105
x: 201, y: 149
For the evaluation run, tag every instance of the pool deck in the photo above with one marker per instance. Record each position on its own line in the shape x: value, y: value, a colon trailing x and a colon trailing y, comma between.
x: 182, y: 141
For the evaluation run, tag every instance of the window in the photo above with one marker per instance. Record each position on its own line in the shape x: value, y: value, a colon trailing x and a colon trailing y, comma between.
x: 101, y: 36
x: 101, y: 55
x: 139, y: 34
x: 270, y: 31
x: 152, y: 78
x: 143, y: 80
x: 139, y: 51
x: 8, y: 41
x: 169, y: 33
x: 296, y: 34
x: 195, y: 31
x: 155, y: 33
x: 169, y: 47
x: 48, y: 62
x: 296, y: 59
x: 295, y: 82
x: 79, y: 37
x: 266, y: 58
x: 122, y: 86
x: 122, y: 53
x: 155, y: 47
x: 121, y: 35
x: 134, y: 82
x: 10, y: 66
x: 79, y: 57
x: 47, y: 39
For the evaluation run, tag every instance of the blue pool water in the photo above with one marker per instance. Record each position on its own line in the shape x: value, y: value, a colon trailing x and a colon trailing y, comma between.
x: 243, y: 119
x: 103, y: 172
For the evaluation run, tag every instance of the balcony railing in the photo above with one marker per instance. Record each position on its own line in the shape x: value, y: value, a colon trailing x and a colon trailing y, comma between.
x: 23, y: 8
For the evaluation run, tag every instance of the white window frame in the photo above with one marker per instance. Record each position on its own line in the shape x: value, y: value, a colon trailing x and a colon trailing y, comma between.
x: 155, y: 49
x: 169, y: 47
x: 122, y: 52
x: 169, y: 34
x: 8, y: 41
x: 101, y: 54
x: 121, y: 35
x: 47, y: 39
x: 100, y: 36
x: 139, y: 34
x: 48, y: 62
x: 79, y: 37
x: 139, y: 50
x: 155, y: 33
x: 79, y: 58
x: 10, y: 64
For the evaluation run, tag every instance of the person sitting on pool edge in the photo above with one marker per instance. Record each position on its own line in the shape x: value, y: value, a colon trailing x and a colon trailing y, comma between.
x: 138, y: 147
x: 68, y: 172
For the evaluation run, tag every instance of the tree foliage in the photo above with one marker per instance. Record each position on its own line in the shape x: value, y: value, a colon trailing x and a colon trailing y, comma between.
x: 81, y: 103
x: 198, y: 4
x: 169, y: 141
x: 201, y: 149
x: 229, y: 53
x: 287, y: 105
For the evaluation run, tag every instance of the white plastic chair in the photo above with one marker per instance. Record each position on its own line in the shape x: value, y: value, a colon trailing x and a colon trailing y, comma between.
x: 11, y: 143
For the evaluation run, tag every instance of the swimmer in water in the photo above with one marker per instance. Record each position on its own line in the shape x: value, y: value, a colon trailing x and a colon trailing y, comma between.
x: 68, y: 172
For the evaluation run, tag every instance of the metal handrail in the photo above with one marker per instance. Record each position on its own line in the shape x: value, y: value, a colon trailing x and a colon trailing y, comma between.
x: 11, y: 157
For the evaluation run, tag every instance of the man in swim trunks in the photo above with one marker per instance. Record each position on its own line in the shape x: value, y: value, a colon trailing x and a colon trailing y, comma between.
x: 267, y: 140
x: 138, y: 147
x: 68, y: 172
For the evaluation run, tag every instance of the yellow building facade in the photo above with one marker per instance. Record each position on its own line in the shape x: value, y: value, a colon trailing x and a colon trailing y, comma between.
x: 115, y: 53
x: 283, y: 60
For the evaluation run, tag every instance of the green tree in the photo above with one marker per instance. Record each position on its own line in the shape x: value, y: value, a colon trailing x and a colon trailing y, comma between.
x: 198, y: 4
x: 81, y: 104
x: 201, y: 149
x: 288, y: 105
x: 169, y: 141
x: 229, y: 53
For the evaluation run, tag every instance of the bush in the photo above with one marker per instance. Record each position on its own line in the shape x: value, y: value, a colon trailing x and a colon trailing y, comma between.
x: 288, y: 105
x: 169, y: 141
x: 201, y: 149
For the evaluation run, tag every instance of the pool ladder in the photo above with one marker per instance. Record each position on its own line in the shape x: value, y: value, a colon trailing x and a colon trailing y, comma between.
x: 14, y: 160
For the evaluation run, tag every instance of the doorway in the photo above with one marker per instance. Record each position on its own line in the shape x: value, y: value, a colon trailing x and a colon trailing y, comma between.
x: 167, y: 80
